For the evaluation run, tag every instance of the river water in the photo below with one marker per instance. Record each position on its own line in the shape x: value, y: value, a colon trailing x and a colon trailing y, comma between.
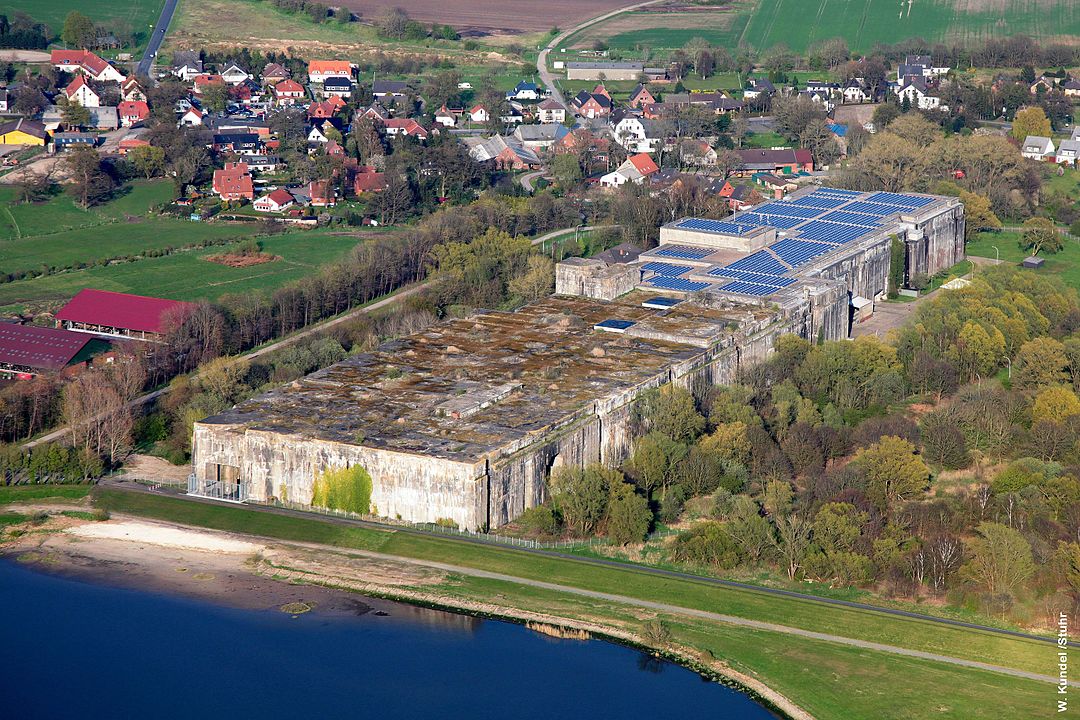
x: 74, y: 649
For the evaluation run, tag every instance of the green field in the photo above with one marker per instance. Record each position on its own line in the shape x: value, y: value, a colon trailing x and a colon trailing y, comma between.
x: 828, y: 679
x: 25, y: 493
x: 187, y: 275
x: 761, y: 24
x: 1065, y: 264
x: 138, y: 14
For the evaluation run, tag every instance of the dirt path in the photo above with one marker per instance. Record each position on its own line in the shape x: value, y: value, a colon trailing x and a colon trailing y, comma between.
x: 24, y: 56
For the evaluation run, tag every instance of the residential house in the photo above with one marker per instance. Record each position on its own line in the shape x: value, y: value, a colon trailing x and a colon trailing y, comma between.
x: 325, y: 109
x: 133, y: 112
x: 757, y: 87
x: 1071, y: 87
x: 235, y: 75
x: 236, y: 143
x: 131, y: 91
x: 854, y: 92
x: 592, y: 149
x: 367, y: 179
x: 233, y: 182
x: 406, y: 127
x: 201, y: 82
x: 1068, y: 152
x: 524, y: 92
x: 275, y: 201
x: 320, y: 70
x: 86, y: 63
x: 374, y: 112
x: 513, y: 115
x: 132, y: 140
x: 262, y: 163
x: 505, y: 153
x: 640, y: 96
x: 321, y: 193
x: 919, y: 95
x: 697, y: 152
x: 1037, y: 147
x: 591, y: 105
x: 274, y: 73
x: 634, y: 133
x: 824, y: 98
x: 634, y: 169
x: 79, y: 91
x: 63, y: 141
x: 540, y: 137
x: 5, y: 100
x: 192, y: 117
x: 777, y: 186
x: 337, y: 87
x: 479, y: 114
x: 551, y: 111
x: 786, y: 161
x: 446, y: 117
x: 1043, y: 84
x: 317, y: 134
x: 186, y: 65
x: 389, y: 90
x: 288, y: 92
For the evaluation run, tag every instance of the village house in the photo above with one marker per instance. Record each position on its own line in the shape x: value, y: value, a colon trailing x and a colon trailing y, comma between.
x: 320, y: 70
x: 758, y: 86
x: 321, y: 193
x: 192, y: 117
x: 236, y: 143
x: 367, y: 179
x: 406, y: 127
x: 86, y: 63
x: 131, y: 91
x: 919, y: 95
x: 389, y: 90
x: 634, y: 133
x: 133, y: 112
x: 540, y: 137
x: 697, y: 152
x: 262, y: 163
x: 479, y: 114
x: 288, y: 92
x: 592, y: 105
x: 79, y: 91
x: 276, y: 201
x: 524, y: 92
x: 1067, y: 153
x: 634, y: 169
x: 775, y: 161
x: 325, y: 109
x: 505, y: 153
x: 446, y: 117
x: 200, y: 83
x: 338, y: 87
x: 583, y: 143
x: 233, y: 182
x: 551, y: 111
x: 235, y: 75
x: 641, y: 96
x: 374, y: 112
x: 1036, y: 147
x: 132, y: 140
x: 186, y: 65
x: 854, y: 92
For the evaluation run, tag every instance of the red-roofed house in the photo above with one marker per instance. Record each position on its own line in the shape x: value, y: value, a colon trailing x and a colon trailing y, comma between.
x: 321, y: 193
x: 479, y: 114
x: 405, y: 126
x: 641, y: 96
x: 131, y: 142
x: 26, y: 350
x: 288, y: 92
x: 635, y: 169
x: 234, y: 182
x: 773, y: 161
x: 321, y: 110
x: 103, y: 312
x: 367, y: 180
x: 130, y: 89
x: 80, y: 91
x: 191, y: 118
x: 275, y: 201
x: 87, y: 63
x: 319, y: 70
x: 132, y: 112
x: 204, y: 80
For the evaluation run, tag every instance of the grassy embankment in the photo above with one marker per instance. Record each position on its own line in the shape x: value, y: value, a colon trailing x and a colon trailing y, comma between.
x: 827, y: 679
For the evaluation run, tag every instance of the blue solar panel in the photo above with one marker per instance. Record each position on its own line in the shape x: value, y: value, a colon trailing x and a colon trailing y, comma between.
x: 872, y: 208
x: 843, y: 216
x: 745, y: 288
x: 776, y: 221
x: 837, y: 192
x: 788, y: 209
x: 669, y: 283
x: 684, y: 252
x: 830, y: 232
x: 759, y: 262
x: 909, y: 201
x: 820, y: 201
x: 798, y: 252
x: 669, y: 269
x: 614, y: 324
x: 771, y: 280
x: 717, y: 226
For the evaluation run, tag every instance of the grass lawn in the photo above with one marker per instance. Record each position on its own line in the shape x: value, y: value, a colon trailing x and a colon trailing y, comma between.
x: 187, y: 275
x: 765, y: 140
x: 11, y: 519
x: 1065, y: 264
x: 23, y: 493
x: 849, y: 622
x: 138, y: 14
x: 1067, y: 184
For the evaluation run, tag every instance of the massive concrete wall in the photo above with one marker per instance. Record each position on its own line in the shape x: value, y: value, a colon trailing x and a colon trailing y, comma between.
x: 865, y: 272
x: 935, y: 243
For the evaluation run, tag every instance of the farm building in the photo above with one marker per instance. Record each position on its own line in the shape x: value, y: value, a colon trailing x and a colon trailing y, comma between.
x: 26, y: 350
x: 23, y: 132
x: 604, y: 70
x: 119, y: 315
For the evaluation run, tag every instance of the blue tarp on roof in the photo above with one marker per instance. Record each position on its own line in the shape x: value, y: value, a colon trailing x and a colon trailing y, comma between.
x: 838, y: 130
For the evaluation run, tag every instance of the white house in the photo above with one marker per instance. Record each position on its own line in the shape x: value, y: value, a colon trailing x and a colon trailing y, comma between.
x: 634, y: 169
x: 918, y: 94
x: 527, y: 91
x: 1068, y: 153
x: 1037, y: 147
x: 445, y: 117
x: 79, y: 91
x: 551, y: 111
x: 234, y: 75
x: 192, y: 117
x: 855, y: 93
x: 339, y: 86
x: 634, y: 133
x: 479, y: 114
x: 275, y: 201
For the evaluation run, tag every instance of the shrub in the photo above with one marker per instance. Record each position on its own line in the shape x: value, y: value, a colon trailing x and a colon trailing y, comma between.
x: 346, y: 489
x: 540, y: 519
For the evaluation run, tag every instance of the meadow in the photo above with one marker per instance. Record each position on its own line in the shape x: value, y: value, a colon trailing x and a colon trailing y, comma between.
x: 1065, y: 264
x: 761, y: 24
x: 139, y: 14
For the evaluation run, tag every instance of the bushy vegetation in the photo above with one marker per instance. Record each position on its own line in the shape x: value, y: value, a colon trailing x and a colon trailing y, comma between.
x: 347, y: 489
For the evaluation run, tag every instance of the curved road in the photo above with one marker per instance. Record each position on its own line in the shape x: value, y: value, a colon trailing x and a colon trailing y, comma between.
x: 156, y: 38
x: 541, y: 60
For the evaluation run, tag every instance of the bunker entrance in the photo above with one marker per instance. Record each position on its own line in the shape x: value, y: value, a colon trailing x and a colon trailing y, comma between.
x: 221, y: 482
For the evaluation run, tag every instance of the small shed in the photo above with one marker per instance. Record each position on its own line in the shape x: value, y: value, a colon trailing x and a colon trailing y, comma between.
x: 864, y: 308
x: 1033, y: 262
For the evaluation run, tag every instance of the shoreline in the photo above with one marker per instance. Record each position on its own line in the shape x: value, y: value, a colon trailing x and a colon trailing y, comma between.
x: 255, y: 574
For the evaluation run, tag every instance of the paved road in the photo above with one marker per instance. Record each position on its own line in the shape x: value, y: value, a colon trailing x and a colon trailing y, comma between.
x: 541, y: 60
x: 527, y: 179
x: 657, y: 606
x: 156, y: 38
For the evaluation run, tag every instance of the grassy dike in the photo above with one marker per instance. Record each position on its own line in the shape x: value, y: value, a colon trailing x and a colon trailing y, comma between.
x: 827, y: 679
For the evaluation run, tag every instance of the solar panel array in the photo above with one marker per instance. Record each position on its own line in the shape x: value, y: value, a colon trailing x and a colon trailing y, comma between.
x: 760, y: 262
x: 788, y: 209
x: 843, y: 216
x: 838, y: 192
x: 911, y: 201
x: 716, y: 226
x: 746, y: 288
x: 669, y: 269
x: 875, y: 209
x: 776, y: 221
x: 831, y: 232
x: 825, y: 202
x: 670, y: 283
x: 772, y: 280
x: 683, y: 252
x: 799, y: 252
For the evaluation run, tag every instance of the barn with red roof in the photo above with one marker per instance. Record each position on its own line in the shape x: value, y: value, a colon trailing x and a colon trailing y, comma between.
x: 114, y: 314
x: 27, y: 350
